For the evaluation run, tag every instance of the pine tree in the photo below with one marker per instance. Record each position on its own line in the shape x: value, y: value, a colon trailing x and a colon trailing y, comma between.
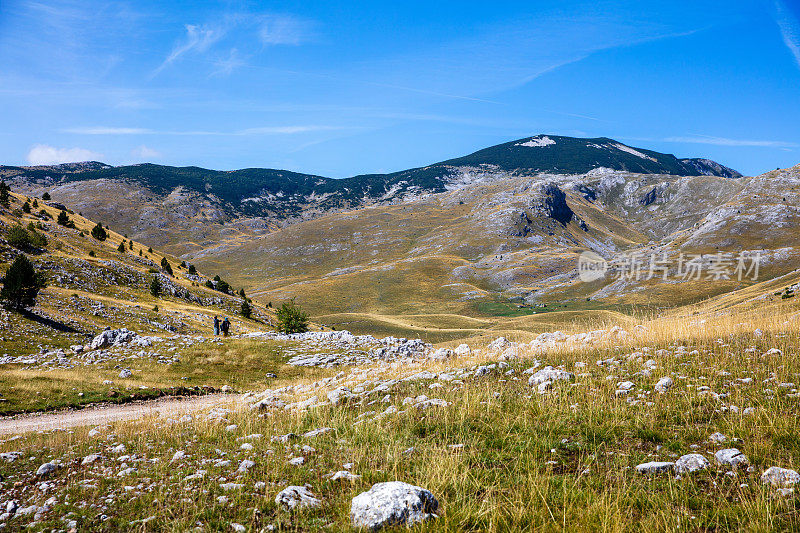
x: 192, y: 269
x: 291, y: 318
x: 26, y: 207
x: 21, y: 284
x: 64, y: 220
x: 166, y: 266
x: 121, y: 247
x: 35, y: 203
x: 241, y: 293
x: 246, y: 309
x: 155, y: 287
x: 5, y: 198
x: 99, y: 233
x: 46, y: 196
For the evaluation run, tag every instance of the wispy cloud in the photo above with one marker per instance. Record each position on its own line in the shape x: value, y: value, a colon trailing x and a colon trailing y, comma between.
x: 251, y: 32
x: 723, y: 141
x: 198, y: 39
x: 284, y: 29
x: 261, y: 130
x: 145, y: 153
x: 790, y: 29
x: 43, y: 154
x: 225, y: 67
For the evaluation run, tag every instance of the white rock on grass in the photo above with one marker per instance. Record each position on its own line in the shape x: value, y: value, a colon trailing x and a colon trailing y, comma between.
x: 780, y: 477
x: 731, y: 457
x: 295, y: 497
x: 654, y: 467
x: 91, y: 458
x: 691, y: 462
x: 46, y: 469
x: 551, y: 374
x: 125, y: 373
x: 663, y: 384
x: 392, y: 503
x: 717, y: 438
x: 343, y: 475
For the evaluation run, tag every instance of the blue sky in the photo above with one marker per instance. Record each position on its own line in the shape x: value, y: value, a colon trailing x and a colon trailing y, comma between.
x: 342, y: 88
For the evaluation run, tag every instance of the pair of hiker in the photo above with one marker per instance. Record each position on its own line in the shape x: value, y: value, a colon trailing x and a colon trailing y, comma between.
x: 223, y: 326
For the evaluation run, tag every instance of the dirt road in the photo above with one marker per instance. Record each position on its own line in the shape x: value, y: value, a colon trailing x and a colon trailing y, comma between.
x: 93, y: 416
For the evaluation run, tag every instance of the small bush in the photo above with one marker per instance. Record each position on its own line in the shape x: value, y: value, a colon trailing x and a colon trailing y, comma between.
x: 24, y: 239
x: 222, y: 286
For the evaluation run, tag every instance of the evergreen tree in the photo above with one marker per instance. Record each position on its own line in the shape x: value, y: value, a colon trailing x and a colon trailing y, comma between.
x: 166, y: 266
x: 21, y: 284
x: 26, y: 207
x: 222, y: 286
x: 64, y: 220
x: 291, y: 318
x: 46, y: 196
x: 241, y: 293
x: 192, y: 269
x: 99, y: 233
x: 35, y: 203
x: 121, y: 247
x: 5, y: 198
x: 246, y: 310
x: 155, y: 287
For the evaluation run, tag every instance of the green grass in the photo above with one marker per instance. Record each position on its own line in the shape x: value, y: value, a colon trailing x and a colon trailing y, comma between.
x: 240, y: 364
x: 559, y: 461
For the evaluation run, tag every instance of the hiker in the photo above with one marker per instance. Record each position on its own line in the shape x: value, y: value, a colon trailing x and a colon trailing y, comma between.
x: 226, y: 325
x: 216, y: 326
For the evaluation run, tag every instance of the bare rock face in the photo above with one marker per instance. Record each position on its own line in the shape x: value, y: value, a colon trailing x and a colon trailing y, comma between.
x: 392, y: 503
x: 555, y: 204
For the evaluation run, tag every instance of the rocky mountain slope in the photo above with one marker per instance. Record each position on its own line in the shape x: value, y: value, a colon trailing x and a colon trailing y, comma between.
x: 518, y: 240
x: 184, y: 209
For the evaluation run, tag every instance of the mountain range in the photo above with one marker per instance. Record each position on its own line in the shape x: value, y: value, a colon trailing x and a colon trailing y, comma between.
x: 495, y: 231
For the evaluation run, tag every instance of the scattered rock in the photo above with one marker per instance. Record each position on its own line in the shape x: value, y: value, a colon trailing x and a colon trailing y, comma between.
x: 295, y: 497
x: 731, y: 457
x: 689, y: 463
x: 392, y: 503
x: 780, y: 477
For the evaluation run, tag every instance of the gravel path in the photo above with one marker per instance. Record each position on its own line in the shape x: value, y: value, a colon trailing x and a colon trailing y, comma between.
x: 92, y: 416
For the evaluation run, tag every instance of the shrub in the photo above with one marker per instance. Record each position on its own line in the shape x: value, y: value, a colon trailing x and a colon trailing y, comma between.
x: 192, y: 269
x: 291, y: 318
x: 222, y: 286
x: 155, y: 287
x: 99, y: 232
x: 35, y: 203
x: 21, y: 284
x: 209, y: 284
x: 22, y: 238
x: 44, y: 214
x: 91, y: 253
x: 241, y: 293
x: 26, y: 207
x: 46, y: 196
x: 121, y: 247
x: 246, y: 309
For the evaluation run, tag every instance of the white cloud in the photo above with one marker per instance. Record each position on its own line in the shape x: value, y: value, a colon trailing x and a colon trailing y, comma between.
x: 263, y: 130
x: 42, y: 154
x: 284, y: 29
x: 227, y: 66
x: 198, y: 39
x: 790, y: 29
x: 145, y: 153
x: 722, y: 141
x: 102, y: 130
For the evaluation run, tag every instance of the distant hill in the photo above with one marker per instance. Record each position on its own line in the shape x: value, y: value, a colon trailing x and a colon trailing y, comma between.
x: 281, y: 193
